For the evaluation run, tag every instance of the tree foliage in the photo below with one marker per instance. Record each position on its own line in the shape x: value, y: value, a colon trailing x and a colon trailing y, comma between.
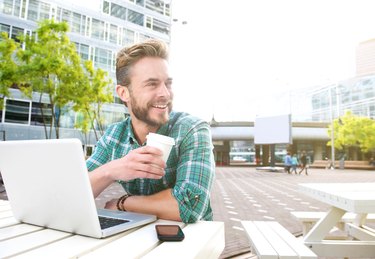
x: 51, y: 68
x: 8, y: 66
x: 96, y: 93
x: 352, y: 130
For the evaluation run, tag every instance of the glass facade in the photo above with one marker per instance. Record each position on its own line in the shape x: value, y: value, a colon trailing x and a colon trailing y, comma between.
x: 17, y: 111
x: 356, y: 95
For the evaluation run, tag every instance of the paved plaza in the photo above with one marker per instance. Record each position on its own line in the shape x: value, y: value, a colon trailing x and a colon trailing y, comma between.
x: 243, y: 193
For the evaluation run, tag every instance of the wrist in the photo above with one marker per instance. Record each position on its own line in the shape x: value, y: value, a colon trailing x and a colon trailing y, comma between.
x: 121, y: 201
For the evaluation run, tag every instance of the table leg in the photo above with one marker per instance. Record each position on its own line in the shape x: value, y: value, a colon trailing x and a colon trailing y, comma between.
x: 360, y: 219
x: 324, y: 225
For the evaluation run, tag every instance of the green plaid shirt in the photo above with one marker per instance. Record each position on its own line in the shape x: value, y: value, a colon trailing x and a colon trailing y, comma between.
x: 190, y: 167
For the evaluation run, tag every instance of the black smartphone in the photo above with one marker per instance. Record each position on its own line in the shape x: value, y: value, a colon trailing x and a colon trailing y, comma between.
x: 169, y: 233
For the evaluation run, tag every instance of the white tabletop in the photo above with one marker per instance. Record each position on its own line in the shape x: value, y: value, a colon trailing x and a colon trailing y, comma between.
x: 203, y: 239
x: 351, y: 197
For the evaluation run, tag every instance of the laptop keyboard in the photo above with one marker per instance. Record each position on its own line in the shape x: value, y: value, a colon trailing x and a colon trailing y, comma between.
x: 106, y: 222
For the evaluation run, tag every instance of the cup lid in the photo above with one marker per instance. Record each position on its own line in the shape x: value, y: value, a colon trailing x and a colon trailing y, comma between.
x: 161, y: 138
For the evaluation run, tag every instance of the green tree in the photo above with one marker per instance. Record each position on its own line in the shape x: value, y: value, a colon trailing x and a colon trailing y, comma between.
x: 352, y: 130
x: 97, y: 91
x: 49, y: 66
x: 9, y: 75
x: 52, y: 68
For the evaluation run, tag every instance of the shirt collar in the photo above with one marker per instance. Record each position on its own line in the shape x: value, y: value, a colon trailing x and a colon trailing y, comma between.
x: 163, y: 130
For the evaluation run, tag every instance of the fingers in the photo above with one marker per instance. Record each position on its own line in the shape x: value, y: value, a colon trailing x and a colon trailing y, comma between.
x: 149, y: 150
x: 144, y: 162
x: 111, y: 204
x: 149, y: 155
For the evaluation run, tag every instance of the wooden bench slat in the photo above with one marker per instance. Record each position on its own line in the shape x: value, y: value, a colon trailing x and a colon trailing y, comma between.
x: 17, y: 230
x: 302, y: 250
x: 259, y: 242
x: 13, y: 246
x: 277, y: 242
x: 271, y: 240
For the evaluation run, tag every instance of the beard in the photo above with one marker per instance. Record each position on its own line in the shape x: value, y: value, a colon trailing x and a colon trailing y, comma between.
x: 143, y: 114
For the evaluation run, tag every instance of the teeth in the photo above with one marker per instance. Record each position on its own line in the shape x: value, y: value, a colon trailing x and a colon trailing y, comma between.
x: 160, y: 106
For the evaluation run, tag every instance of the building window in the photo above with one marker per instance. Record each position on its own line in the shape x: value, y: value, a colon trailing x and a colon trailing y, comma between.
x: 11, y: 7
x: 32, y: 13
x: 160, y: 26
x: 17, y: 111
x: 118, y: 11
x: 143, y: 37
x: 140, y: 2
x: 67, y: 117
x: 41, y: 114
x: 83, y: 50
x: 113, y: 34
x: 44, y: 11
x: 15, y: 32
x: 103, y: 58
x: 149, y: 22
x: 66, y: 16
x: 98, y: 29
x: 17, y: 8
x: 106, y: 7
x: 5, y: 28
x: 7, y: 7
x: 78, y: 23
x: 135, y: 17
x: 128, y: 37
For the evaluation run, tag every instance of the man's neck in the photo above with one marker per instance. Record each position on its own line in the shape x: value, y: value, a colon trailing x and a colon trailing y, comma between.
x: 141, y: 130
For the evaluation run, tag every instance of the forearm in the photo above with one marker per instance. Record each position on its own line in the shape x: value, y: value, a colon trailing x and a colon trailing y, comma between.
x: 100, y: 180
x: 161, y: 204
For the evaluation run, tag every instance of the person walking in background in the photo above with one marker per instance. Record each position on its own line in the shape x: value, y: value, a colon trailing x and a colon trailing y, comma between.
x: 294, y: 163
x: 287, y: 162
x: 303, y: 160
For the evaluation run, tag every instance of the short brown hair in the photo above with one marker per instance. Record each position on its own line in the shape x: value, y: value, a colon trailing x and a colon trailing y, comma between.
x: 128, y: 56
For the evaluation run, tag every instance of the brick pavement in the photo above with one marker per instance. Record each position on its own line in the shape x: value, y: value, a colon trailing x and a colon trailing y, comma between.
x: 243, y: 193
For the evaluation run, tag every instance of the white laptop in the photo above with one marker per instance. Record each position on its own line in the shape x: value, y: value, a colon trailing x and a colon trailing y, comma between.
x: 47, y: 185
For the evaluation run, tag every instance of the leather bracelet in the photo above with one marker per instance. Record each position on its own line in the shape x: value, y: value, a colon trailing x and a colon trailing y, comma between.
x: 120, y: 202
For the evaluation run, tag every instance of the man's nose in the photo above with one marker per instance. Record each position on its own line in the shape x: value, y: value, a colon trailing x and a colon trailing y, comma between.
x: 164, y: 90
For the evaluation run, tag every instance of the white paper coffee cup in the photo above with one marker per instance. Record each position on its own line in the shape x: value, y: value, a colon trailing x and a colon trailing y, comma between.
x: 162, y: 142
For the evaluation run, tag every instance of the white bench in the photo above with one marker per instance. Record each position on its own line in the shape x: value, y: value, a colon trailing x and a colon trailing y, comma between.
x: 309, y: 218
x: 271, y: 240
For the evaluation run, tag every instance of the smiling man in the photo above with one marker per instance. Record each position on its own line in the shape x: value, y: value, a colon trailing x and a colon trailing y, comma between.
x: 178, y: 189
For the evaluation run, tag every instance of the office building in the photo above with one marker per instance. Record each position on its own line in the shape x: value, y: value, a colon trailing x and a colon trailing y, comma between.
x: 99, y: 28
x: 365, y: 58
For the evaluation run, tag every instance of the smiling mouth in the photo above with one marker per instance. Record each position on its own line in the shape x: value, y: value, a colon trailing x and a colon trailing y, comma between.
x: 160, y: 106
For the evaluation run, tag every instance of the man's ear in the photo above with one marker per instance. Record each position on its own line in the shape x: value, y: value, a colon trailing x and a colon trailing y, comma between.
x: 123, y: 93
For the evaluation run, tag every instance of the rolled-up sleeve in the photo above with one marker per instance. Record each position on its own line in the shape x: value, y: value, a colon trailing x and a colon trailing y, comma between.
x: 195, y: 175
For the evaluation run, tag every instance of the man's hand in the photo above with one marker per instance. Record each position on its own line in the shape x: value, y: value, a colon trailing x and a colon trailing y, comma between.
x: 111, y: 205
x: 143, y: 162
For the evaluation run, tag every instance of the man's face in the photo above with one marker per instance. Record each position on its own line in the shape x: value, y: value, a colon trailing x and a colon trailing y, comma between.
x: 150, y: 91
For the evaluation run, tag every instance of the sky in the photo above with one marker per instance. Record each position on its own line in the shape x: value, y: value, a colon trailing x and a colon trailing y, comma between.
x: 231, y: 56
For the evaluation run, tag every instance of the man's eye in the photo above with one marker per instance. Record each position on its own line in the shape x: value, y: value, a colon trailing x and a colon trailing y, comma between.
x: 168, y: 84
x: 152, y: 84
